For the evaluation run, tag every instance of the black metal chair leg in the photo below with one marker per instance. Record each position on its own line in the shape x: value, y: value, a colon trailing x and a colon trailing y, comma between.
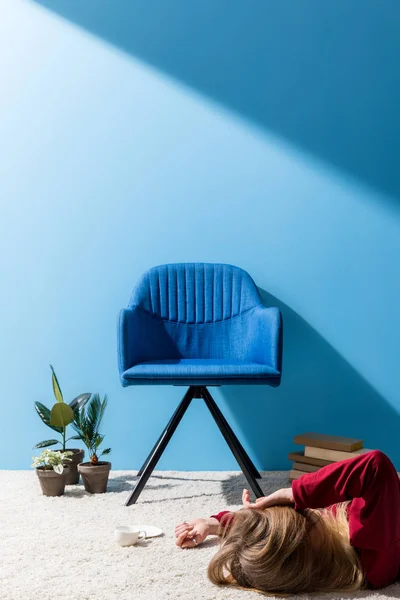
x: 234, y: 440
x: 160, y: 447
x: 146, y: 462
x: 244, y: 464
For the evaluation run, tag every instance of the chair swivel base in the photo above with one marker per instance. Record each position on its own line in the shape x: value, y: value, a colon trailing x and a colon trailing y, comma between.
x: 245, y: 463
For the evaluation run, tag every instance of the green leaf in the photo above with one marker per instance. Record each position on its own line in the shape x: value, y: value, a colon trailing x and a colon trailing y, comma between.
x: 87, y: 422
x: 106, y: 451
x: 92, y: 415
x: 77, y: 418
x: 44, y: 414
x: 98, y: 440
x: 46, y: 443
x: 103, y: 406
x: 79, y: 402
x: 76, y: 437
x: 61, y: 415
x: 56, y: 386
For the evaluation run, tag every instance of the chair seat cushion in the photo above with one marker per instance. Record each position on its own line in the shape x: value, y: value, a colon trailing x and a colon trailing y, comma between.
x: 194, y: 369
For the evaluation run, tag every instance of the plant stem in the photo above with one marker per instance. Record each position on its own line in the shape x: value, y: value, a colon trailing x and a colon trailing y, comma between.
x: 64, y: 434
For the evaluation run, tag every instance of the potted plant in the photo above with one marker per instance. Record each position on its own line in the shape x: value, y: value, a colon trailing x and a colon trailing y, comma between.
x: 58, y: 418
x: 87, y: 426
x: 52, y: 471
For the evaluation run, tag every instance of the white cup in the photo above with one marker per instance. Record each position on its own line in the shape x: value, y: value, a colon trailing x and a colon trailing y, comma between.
x: 128, y: 536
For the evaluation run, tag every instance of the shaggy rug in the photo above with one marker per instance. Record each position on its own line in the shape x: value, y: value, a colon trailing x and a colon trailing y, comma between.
x: 63, y: 548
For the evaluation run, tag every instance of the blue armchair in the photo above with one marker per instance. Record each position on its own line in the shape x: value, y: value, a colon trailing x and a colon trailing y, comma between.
x: 198, y: 325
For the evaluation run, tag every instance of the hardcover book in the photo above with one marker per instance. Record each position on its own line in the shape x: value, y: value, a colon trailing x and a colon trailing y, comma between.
x: 330, y: 442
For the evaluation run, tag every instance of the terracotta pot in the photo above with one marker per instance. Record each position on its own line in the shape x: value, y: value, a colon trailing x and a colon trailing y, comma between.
x: 52, y: 483
x: 95, y: 477
x: 76, y: 458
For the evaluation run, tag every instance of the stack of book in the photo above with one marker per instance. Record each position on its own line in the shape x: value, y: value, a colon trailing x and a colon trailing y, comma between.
x: 321, y: 450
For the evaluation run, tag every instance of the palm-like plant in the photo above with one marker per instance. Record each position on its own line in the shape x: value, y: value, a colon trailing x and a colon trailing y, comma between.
x: 87, y: 424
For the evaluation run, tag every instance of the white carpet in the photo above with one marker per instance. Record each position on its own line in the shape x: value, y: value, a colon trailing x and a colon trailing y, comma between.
x: 63, y: 548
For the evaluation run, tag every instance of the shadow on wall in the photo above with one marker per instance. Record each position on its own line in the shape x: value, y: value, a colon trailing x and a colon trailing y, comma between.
x: 324, y: 75
x: 320, y: 391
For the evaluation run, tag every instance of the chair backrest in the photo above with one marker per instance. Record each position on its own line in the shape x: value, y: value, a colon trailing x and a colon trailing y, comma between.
x: 196, y: 293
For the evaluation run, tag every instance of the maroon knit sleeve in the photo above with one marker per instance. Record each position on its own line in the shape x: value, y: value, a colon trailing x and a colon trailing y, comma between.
x: 225, y: 518
x: 371, y: 477
x: 371, y: 483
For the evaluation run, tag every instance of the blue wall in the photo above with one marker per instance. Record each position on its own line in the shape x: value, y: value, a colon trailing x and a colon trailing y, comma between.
x: 263, y: 134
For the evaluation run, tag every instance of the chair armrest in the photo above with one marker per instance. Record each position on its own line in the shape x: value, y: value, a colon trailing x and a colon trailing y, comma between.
x: 127, y: 319
x: 142, y: 336
x: 267, y: 337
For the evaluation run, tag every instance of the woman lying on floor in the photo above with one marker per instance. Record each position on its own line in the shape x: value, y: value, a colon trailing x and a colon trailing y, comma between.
x: 336, y: 529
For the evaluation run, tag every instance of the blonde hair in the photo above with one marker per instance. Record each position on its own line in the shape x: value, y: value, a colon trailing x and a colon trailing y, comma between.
x: 272, y: 551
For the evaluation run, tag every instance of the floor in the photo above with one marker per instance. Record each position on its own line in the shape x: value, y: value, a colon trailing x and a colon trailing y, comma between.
x: 63, y: 548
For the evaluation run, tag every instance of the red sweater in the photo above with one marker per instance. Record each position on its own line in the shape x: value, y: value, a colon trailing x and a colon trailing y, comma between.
x: 371, y: 483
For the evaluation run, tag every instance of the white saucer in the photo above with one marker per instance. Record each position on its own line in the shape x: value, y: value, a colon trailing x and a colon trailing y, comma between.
x: 151, y: 530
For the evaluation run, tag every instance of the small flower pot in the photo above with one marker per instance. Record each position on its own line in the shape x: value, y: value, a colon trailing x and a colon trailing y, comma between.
x: 76, y: 458
x: 95, y: 477
x: 52, y: 483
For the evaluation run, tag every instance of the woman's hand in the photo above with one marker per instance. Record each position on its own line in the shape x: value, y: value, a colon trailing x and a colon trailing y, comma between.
x: 283, y: 496
x: 190, y: 532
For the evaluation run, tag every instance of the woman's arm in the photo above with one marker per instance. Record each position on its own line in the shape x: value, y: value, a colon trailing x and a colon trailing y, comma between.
x: 370, y: 476
x: 225, y: 517
x: 190, y: 534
